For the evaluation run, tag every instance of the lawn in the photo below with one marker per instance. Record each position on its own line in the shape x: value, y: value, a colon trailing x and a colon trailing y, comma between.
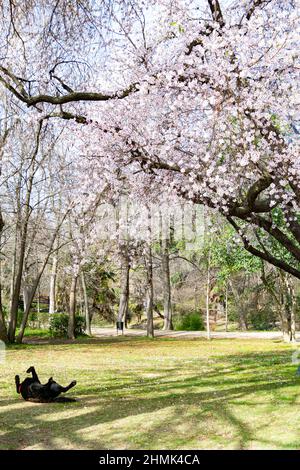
x: 135, y: 393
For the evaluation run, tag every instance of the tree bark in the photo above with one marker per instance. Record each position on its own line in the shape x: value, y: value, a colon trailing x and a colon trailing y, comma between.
x: 265, y: 255
x: 226, y: 307
x: 72, y: 308
x: 288, y: 310
x: 31, y: 294
x: 27, y: 289
x: 149, y: 308
x: 165, y: 266
x: 88, y: 330
x: 124, y: 285
x: 30, y: 299
x: 208, y: 299
x: 22, y: 226
x: 37, y: 281
x: 13, y: 270
x: 3, y: 329
x: 242, y: 318
x: 17, y: 289
x: 286, y: 303
x: 240, y: 304
x: 52, y: 289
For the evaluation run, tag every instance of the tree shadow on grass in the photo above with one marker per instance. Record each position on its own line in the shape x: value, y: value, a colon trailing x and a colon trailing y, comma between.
x: 39, y: 431
x: 253, y: 369
x: 89, y: 340
x: 133, y: 396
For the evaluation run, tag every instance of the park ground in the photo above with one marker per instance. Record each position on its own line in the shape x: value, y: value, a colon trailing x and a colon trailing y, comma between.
x: 166, y: 393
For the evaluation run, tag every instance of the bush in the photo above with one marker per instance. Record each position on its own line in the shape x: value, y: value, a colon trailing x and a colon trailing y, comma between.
x: 19, y: 317
x: 38, y: 319
x: 5, y: 311
x: 33, y: 317
x: 192, y: 321
x: 262, y: 320
x: 58, y: 325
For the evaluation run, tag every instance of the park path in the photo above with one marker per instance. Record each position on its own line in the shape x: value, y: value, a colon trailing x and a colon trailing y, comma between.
x: 272, y: 335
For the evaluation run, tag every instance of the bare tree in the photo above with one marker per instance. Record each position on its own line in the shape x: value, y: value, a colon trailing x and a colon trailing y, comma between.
x: 72, y: 307
x: 165, y: 267
x: 124, y: 282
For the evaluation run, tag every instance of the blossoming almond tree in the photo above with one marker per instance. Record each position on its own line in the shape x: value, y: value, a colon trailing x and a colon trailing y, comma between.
x: 215, y: 122
x: 207, y: 110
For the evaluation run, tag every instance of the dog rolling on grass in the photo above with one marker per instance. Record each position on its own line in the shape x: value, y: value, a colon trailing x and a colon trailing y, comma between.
x: 31, y: 389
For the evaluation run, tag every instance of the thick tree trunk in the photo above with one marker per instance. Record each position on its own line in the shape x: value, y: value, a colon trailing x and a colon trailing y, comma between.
x: 3, y: 329
x: 288, y: 334
x: 195, y: 298
x: 36, y: 283
x: 283, y: 294
x: 27, y: 289
x: 288, y: 309
x: 88, y: 330
x: 72, y: 308
x: 241, y: 307
x: 243, y: 325
x: 293, y: 323
x: 226, y: 307
x: 291, y: 304
x: 124, y: 285
x: 52, y: 289
x: 16, y: 291
x: 13, y: 270
x: 285, y: 325
x: 165, y: 267
x: 22, y: 228
x: 26, y: 311
x: 149, y: 308
x: 38, y: 305
x: 208, y: 299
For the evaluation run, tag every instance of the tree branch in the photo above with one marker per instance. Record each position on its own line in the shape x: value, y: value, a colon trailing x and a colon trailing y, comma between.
x: 62, y: 99
x: 256, y: 4
x: 264, y: 255
x: 216, y: 12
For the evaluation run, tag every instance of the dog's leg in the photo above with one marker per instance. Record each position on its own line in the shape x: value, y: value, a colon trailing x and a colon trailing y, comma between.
x: 65, y: 389
x: 17, y: 380
x: 34, y: 374
x: 72, y: 384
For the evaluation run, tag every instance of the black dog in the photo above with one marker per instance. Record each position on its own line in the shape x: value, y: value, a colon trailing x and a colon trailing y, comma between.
x: 31, y: 389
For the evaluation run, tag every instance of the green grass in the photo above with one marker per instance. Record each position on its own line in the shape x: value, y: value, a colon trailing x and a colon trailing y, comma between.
x: 135, y: 393
x: 36, y: 332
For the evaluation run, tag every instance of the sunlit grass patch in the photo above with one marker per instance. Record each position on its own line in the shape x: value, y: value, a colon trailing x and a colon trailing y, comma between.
x: 150, y: 394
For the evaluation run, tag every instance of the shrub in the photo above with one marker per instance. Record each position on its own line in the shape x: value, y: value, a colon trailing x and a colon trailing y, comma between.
x: 177, y: 279
x: 38, y: 319
x: 5, y: 311
x: 191, y: 321
x: 33, y: 317
x: 262, y: 320
x: 58, y: 325
x: 19, y: 317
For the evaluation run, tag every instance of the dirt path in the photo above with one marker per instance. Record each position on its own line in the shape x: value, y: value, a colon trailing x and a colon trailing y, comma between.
x: 105, y: 332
